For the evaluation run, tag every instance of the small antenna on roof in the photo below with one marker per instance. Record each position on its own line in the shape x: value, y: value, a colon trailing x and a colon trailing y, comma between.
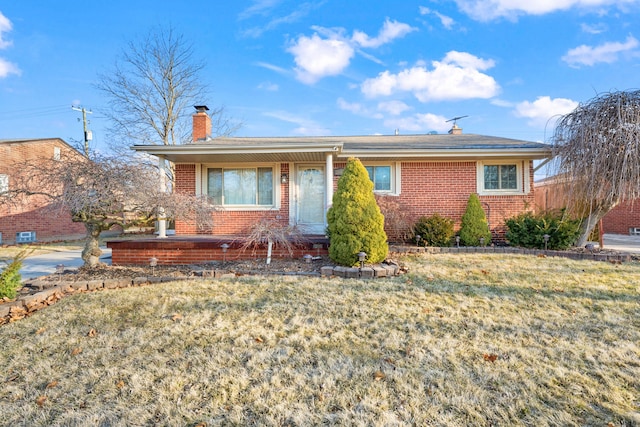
x: 455, y: 119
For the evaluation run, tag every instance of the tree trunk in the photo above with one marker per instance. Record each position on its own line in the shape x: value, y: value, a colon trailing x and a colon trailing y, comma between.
x: 589, y: 224
x: 91, y: 252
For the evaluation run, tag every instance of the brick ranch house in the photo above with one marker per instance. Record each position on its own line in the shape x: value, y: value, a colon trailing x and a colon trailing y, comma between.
x: 34, y: 221
x: 623, y: 219
x: 292, y: 180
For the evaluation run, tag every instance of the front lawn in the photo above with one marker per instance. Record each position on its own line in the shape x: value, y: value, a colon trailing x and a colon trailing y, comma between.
x: 460, y: 340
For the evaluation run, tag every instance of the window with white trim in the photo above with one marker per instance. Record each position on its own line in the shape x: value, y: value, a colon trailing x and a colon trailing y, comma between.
x: 241, y: 186
x: 4, y: 182
x: 381, y: 177
x: 502, y: 177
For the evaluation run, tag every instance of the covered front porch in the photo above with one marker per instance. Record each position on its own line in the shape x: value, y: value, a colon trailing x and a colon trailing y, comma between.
x: 183, y: 250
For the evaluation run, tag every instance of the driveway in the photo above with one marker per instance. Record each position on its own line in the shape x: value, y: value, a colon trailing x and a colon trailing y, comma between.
x: 622, y: 243
x: 44, y: 264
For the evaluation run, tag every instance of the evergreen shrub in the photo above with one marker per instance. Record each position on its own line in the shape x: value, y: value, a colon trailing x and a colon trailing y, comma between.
x: 528, y: 229
x: 474, y: 224
x: 434, y: 230
x: 10, y: 278
x: 355, y: 222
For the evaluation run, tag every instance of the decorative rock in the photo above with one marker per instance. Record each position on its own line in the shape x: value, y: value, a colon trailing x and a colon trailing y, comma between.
x: 353, y: 273
x: 379, y: 271
x: 92, y: 285
x: 367, y: 273
x: 326, y: 271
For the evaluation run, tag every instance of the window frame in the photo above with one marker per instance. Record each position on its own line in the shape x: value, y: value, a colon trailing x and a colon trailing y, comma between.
x: 203, y: 188
x: 394, y: 176
x: 522, y: 177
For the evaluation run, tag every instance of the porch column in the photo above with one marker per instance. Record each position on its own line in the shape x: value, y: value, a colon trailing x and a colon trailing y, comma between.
x: 162, y: 223
x: 329, y: 180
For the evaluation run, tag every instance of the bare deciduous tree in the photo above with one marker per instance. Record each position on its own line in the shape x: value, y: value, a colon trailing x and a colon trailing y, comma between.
x: 101, y: 193
x: 598, y: 156
x: 151, y: 89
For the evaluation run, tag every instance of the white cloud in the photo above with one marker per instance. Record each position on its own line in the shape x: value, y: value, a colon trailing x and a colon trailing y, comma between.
x: 305, y: 127
x: 317, y: 58
x: 390, y: 31
x: 457, y: 76
x: 395, y: 108
x: 486, y: 10
x: 606, y: 52
x: 328, y: 52
x: 544, y: 108
x: 268, y: 86
x: 418, y: 123
x: 5, y: 27
x: 6, y: 67
x: 352, y: 107
x: 593, y: 29
x: 445, y: 20
x: 272, y: 67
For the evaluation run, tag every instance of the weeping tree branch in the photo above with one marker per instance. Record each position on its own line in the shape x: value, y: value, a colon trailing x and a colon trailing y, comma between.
x: 598, y: 156
x: 102, y: 192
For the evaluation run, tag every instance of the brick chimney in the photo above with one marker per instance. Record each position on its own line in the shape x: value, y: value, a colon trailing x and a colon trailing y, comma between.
x: 201, y: 123
x: 455, y: 130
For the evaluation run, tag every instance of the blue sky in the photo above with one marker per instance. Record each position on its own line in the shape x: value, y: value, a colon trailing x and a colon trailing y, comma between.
x: 329, y: 67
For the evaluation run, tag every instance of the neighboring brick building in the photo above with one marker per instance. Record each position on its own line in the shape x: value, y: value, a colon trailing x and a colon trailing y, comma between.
x: 292, y: 179
x: 34, y: 218
x: 623, y: 219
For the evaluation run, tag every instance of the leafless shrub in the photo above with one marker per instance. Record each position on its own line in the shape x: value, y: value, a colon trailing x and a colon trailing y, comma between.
x: 272, y: 234
x: 397, y: 221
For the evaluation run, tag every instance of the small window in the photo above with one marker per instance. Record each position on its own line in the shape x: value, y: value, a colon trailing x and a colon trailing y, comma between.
x: 503, y: 178
x: 56, y: 153
x: 500, y: 177
x: 4, y: 183
x: 380, y: 176
x: 240, y: 186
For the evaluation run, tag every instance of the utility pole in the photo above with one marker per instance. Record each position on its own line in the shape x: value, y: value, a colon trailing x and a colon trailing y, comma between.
x: 88, y: 136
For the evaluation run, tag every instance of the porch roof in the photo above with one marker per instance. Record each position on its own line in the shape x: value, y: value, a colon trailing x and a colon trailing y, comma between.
x: 370, y: 147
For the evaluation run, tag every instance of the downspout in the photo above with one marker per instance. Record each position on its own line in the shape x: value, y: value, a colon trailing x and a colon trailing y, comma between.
x: 162, y: 223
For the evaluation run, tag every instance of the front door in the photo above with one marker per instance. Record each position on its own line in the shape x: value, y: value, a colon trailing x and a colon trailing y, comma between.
x: 310, y: 207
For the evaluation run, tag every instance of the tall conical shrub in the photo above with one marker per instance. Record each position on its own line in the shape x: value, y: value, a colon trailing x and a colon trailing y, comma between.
x: 474, y: 224
x: 355, y: 222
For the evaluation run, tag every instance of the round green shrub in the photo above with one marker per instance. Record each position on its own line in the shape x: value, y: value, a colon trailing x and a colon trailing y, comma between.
x: 355, y: 222
x: 474, y: 224
x: 435, y: 230
x: 528, y: 229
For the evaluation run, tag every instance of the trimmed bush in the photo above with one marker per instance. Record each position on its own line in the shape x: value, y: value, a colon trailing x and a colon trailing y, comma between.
x: 528, y: 229
x: 10, y: 279
x: 355, y: 222
x: 474, y: 224
x: 435, y: 230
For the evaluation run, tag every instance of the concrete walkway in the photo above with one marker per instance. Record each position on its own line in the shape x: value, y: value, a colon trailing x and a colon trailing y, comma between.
x: 44, y: 264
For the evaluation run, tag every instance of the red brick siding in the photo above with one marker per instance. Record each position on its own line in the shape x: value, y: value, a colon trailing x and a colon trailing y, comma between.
x: 34, y: 215
x: 426, y: 188
x: 229, y: 222
x: 445, y: 187
x: 621, y: 218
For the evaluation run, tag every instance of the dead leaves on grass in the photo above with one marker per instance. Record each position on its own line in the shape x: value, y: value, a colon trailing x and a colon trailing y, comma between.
x: 41, y: 400
x: 492, y: 357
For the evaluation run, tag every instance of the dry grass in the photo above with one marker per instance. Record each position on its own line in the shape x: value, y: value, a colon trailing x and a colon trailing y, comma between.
x: 462, y: 340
